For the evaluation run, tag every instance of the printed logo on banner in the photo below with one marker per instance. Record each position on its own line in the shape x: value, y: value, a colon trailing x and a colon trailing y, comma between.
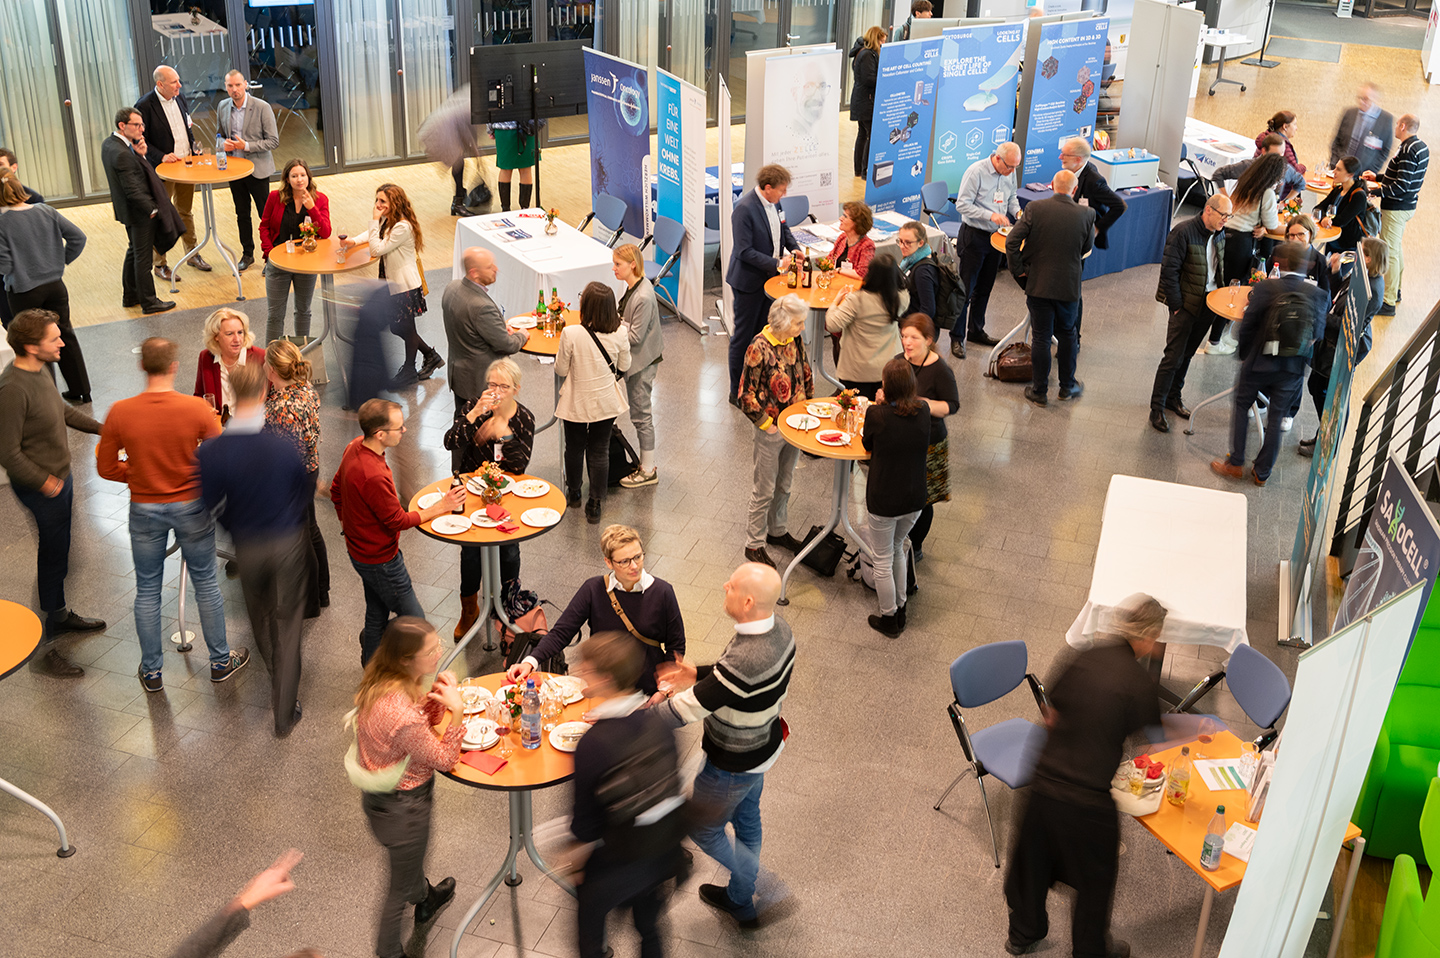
x: 1064, y: 96
x: 905, y: 94
x: 618, y: 104
x: 975, y: 105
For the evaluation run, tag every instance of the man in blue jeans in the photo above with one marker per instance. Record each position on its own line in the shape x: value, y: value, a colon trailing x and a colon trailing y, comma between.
x: 739, y: 698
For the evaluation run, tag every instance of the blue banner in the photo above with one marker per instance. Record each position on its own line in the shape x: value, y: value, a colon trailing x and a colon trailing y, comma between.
x: 619, y: 108
x: 1065, y: 92
x: 670, y: 195
x: 900, y: 134
x: 975, y: 105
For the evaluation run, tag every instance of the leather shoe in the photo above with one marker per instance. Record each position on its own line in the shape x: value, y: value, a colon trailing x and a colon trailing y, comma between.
x: 1180, y: 409
x: 1073, y: 392
x: 1307, y: 447
x: 1222, y: 467
x: 1256, y: 476
x: 1158, y: 421
x: 1013, y: 949
x: 75, y: 398
x: 957, y: 348
x: 437, y: 899
x: 167, y: 274
x: 1037, y: 398
x: 198, y: 262
x: 245, y: 263
x: 717, y: 896
x: 73, y: 623
x: 158, y: 306
x: 129, y: 303
x: 983, y: 339
x: 760, y: 556
x: 53, y: 663
x: 785, y: 541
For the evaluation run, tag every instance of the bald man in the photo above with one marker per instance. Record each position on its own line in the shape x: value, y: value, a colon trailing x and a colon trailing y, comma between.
x: 986, y: 202
x: 739, y: 699
x: 168, y: 138
x: 1046, y: 251
x: 475, y: 327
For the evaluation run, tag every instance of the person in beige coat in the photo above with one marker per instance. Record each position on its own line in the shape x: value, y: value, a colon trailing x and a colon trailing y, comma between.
x: 869, y: 319
x: 592, y: 358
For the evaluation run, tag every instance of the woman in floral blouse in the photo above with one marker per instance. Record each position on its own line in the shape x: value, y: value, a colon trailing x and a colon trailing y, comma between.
x: 292, y: 409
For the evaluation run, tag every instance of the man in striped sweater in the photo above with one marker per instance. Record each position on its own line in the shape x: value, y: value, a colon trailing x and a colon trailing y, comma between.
x: 739, y: 698
x: 1399, y: 191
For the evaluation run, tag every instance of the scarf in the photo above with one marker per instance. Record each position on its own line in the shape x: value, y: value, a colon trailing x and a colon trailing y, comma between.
x: 908, y: 262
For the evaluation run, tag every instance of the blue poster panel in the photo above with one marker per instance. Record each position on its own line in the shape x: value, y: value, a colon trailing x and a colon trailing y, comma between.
x: 619, y: 109
x: 975, y: 105
x: 670, y: 196
x: 900, y: 133
x: 1065, y: 94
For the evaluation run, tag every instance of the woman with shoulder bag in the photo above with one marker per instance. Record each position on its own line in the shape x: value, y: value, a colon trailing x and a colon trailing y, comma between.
x: 869, y: 319
x: 1344, y: 206
x: 897, y: 436
x: 640, y: 318
x: 592, y: 357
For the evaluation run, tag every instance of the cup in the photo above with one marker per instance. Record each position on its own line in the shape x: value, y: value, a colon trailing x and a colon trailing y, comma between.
x: 189, y: 161
x: 290, y: 246
x: 1137, y: 780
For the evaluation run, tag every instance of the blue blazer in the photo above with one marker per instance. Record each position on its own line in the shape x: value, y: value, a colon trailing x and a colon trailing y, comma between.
x: 750, y: 261
x: 1252, y: 326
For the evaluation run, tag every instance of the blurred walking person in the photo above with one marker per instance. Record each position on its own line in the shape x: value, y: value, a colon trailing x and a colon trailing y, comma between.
x: 292, y: 410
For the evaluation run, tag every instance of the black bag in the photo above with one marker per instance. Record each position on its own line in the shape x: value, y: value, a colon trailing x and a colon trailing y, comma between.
x: 479, y: 196
x: 1290, y: 323
x: 950, y: 295
x: 825, y: 558
x: 623, y: 460
x: 516, y: 646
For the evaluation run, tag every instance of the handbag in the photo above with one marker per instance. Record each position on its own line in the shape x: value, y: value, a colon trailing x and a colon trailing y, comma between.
x: 825, y: 557
x: 1013, y: 365
x: 381, y: 780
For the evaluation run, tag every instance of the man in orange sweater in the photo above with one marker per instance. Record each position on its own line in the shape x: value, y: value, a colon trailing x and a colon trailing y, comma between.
x: 159, y: 431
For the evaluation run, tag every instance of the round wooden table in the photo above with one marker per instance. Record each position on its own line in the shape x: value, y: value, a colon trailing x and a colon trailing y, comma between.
x: 1229, y: 302
x: 324, y: 262
x: 997, y: 238
x: 1319, y: 183
x: 843, y: 456
x: 201, y: 171
x: 525, y: 771
x: 819, y: 300
x: 1323, y: 234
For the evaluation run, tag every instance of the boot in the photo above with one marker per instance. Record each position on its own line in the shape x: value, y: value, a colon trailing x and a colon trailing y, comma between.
x: 572, y: 497
x: 469, y: 612
x: 525, y: 189
x: 504, y: 188
x: 885, y: 624
x: 900, y: 618
x: 437, y: 898
x: 592, y: 511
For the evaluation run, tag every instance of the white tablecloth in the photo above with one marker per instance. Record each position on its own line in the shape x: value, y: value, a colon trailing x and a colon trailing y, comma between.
x: 1211, y: 147
x: 1181, y: 544
x: 887, y: 226
x: 566, y: 261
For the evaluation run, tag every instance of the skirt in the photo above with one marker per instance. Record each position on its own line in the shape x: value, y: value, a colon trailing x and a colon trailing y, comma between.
x: 513, y: 150
x: 937, y: 472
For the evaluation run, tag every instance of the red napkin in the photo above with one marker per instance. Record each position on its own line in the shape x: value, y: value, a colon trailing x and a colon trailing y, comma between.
x: 494, y: 511
x: 488, y: 764
x: 508, y: 527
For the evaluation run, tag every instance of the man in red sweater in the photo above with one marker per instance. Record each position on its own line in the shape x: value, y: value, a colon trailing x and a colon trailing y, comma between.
x: 371, y: 519
x: 159, y: 431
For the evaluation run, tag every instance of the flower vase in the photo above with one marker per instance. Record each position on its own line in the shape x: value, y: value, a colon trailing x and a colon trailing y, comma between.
x: 846, y: 419
x: 550, y: 228
x: 308, y: 244
x: 490, y: 495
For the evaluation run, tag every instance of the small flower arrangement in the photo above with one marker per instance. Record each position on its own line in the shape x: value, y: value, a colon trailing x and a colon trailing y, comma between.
x: 550, y: 216
x: 824, y: 264
x: 1294, y: 206
x: 514, y: 701
x: 557, y: 305
x: 308, y: 230
x: 491, y: 475
x: 847, y: 399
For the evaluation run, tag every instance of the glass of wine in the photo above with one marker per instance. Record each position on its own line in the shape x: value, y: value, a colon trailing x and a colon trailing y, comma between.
x: 1206, y: 734
x: 340, y: 251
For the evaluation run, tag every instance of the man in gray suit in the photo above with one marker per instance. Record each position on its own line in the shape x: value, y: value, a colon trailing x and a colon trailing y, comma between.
x: 1365, y: 132
x: 247, y: 126
x: 475, y: 326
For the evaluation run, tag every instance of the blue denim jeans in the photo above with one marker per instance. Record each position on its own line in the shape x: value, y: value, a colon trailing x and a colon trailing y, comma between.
x: 387, y: 591
x: 732, y: 797
x: 150, y: 526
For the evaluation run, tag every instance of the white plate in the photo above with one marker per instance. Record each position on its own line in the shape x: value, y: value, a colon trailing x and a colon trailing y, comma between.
x: 522, y: 322
x: 802, y: 422
x: 479, y: 734
x: 1004, y: 231
x: 572, y: 687
x: 477, y: 487
x: 450, y: 525
x: 557, y: 733
x: 500, y: 692
x: 540, y: 518
x: 483, y: 521
x: 429, y: 499
x: 474, y: 698
x: 844, y: 439
x: 823, y: 410
x: 531, y: 488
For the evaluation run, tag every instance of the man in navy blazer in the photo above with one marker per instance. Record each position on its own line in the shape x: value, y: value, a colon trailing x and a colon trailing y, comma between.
x: 1262, y: 370
x: 169, y: 138
x: 762, y: 245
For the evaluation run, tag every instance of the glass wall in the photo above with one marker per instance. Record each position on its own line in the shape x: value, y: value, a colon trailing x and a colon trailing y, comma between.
x: 864, y: 14
x: 198, y: 46
x: 284, y: 55
x: 428, y: 41
x: 98, y: 52
x: 754, y: 25
x: 32, y: 110
x: 368, y: 94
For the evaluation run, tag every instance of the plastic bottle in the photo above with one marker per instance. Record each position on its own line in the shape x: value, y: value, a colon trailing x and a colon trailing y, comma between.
x: 220, y: 160
x: 1275, y: 271
x: 1214, y: 842
x: 530, y: 716
x: 1177, y: 789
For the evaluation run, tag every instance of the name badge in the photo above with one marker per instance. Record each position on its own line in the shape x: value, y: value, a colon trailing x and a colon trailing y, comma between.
x: 497, y: 451
x: 1372, y: 142
x: 1084, y: 202
x: 999, y: 198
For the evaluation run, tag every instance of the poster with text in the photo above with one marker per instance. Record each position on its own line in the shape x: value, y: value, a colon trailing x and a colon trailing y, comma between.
x: 619, y: 110
x: 905, y: 93
x: 680, y: 186
x: 1064, y: 91
x: 802, y: 125
x: 975, y: 104
x: 670, y: 174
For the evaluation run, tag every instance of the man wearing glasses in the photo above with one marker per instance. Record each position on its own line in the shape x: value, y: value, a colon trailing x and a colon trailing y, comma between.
x: 986, y: 202
x: 1191, y: 268
x: 628, y: 600
x: 141, y: 204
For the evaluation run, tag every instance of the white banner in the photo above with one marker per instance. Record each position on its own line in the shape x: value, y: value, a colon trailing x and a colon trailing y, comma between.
x: 692, y: 148
x: 727, y: 204
x: 802, y: 126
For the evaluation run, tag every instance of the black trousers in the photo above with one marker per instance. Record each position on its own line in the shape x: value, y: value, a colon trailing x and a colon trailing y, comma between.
x: 1182, y: 338
x: 470, y: 566
x: 401, y: 822
x: 52, y: 526
x: 862, y: 148
x: 317, y: 560
x: 1240, y: 250
x: 979, y: 262
x: 921, y: 528
x: 56, y: 298
x: 613, y: 888
x: 273, y: 581
x: 247, y: 190
x: 587, y: 444
x: 1060, y: 842
x: 137, y: 282
x: 751, y: 312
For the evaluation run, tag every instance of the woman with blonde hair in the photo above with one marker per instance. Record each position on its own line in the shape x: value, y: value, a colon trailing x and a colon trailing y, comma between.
x: 397, y: 751
x: 640, y: 318
x: 866, y: 54
x: 292, y: 409
x: 229, y: 344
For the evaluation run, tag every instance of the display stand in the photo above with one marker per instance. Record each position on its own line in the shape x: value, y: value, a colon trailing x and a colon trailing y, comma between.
x: 1260, y: 61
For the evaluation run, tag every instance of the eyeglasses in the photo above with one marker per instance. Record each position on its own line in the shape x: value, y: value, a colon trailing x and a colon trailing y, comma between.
x: 498, y: 386
x: 813, y: 87
x: 634, y: 560
x: 1298, y: 235
x: 905, y: 243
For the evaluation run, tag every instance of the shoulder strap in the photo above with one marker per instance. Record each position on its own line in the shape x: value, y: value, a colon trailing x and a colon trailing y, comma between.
x: 608, y: 361
x: 630, y: 626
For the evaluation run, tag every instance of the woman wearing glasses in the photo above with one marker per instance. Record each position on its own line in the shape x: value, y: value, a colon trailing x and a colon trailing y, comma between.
x: 1301, y: 229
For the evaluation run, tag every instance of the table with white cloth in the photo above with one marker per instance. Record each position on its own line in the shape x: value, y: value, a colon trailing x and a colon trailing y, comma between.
x: 820, y: 238
x: 1212, y: 147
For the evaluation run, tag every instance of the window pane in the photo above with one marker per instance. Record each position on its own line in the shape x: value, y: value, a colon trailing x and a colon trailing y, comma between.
x: 285, y: 73
x: 100, y: 60
x: 365, y: 43
x: 504, y: 21
x: 864, y: 14
x: 197, y: 45
x: 428, y: 29
x: 31, y: 119
x: 572, y: 19
x: 754, y: 25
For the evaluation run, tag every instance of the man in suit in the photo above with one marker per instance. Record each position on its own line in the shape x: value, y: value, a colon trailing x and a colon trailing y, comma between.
x: 1262, y: 367
x: 762, y: 248
x: 9, y: 164
x: 475, y: 326
x: 1092, y: 190
x: 1046, y: 250
x: 1365, y: 132
x: 247, y: 126
x: 143, y: 210
x: 168, y: 137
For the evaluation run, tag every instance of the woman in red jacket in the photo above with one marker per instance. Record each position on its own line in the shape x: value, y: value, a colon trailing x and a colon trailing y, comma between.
x: 292, y: 204
x: 228, y: 344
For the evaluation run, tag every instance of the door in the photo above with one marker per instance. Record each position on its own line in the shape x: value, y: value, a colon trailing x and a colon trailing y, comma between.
x: 283, y: 53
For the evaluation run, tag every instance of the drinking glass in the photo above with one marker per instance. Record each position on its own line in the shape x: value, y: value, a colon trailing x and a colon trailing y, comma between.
x: 1249, y: 759
x: 1206, y: 734
x: 552, y: 706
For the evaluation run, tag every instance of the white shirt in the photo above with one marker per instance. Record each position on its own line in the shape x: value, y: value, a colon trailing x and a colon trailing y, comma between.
x: 1210, y: 282
x: 177, y: 125
x: 772, y: 213
x: 756, y: 627
x: 613, y: 584
x: 227, y: 392
x: 237, y: 121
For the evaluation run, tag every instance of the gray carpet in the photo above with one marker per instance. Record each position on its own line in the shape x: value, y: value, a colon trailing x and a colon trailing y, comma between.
x: 1317, y: 21
x: 1291, y: 49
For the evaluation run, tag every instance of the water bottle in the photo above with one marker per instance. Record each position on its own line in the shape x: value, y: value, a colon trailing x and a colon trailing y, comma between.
x: 1214, y: 842
x: 220, y: 159
x: 1275, y: 271
x: 530, y: 716
x: 1177, y: 787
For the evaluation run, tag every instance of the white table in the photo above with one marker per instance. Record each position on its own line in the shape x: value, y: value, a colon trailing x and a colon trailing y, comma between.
x: 1181, y: 544
x: 1220, y: 39
x: 566, y: 262
x: 1211, y: 147
x: 887, y: 226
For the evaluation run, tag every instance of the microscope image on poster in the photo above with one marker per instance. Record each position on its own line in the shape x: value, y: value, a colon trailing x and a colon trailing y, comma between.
x: 1005, y: 73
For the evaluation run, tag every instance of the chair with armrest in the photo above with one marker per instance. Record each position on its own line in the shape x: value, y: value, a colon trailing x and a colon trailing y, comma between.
x: 610, y: 211
x: 935, y: 201
x: 712, y: 232
x: 1410, y: 927
x: 1008, y: 750
x: 1259, y: 687
x: 797, y: 210
x: 1187, y: 181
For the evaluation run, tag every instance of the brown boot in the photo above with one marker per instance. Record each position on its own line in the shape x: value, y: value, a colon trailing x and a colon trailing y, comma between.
x: 469, y: 612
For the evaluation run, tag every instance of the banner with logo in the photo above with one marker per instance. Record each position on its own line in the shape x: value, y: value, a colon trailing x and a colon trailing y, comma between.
x: 680, y: 185
x: 975, y: 104
x: 1059, y: 96
x: 905, y: 94
x: 802, y: 126
x: 618, y: 103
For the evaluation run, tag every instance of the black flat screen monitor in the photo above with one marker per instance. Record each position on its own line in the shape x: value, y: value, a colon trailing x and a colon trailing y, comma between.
x: 500, y: 81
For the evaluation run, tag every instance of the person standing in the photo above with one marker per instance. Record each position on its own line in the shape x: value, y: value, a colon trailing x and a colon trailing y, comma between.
x: 897, y: 436
x: 246, y: 127
x: 476, y: 333
x: 762, y: 246
x: 1291, y: 180
x: 866, y: 71
x: 1365, y: 132
x: 739, y: 699
x: 1399, y: 193
x: 640, y: 318
x: 1254, y: 205
x: 1092, y: 190
x: 36, y: 455
x: 296, y: 202
x: 868, y: 320
x: 229, y: 345
x: 150, y: 220
x: 10, y: 164
x: 592, y: 357
x: 515, y: 149
x: 371, y: 519
x: 292, y: 410
x: 1046, y: 250
x: 987, y: 202
x: 1193, y: 264
x: 1070, y: 829
x: 919, y: 10
x: 921, y: 271
x: 169, y: 137
x: 256, y: 485
x: 934, y: 383
x: 159, y: 431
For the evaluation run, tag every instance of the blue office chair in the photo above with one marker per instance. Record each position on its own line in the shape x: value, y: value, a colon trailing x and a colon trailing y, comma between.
x: 712, y: 232
x: 668, y: 236
x: 1187, y: 181
x: 1009, y: 750
x: 935, y: 200
x: 1260, y: 689
x: 797, y: 210
x: 610, y: 211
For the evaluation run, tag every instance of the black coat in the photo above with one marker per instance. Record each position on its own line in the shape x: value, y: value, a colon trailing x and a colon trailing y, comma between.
x: 1046, y: 249
x: 157, y: 128
x: 1107, y: 204
x: 1184, y: 264
x: 862, y: 94
x: 1371, y: 158
x: 137, y: 193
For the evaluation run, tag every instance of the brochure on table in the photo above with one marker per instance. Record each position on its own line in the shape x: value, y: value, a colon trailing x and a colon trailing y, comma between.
x: 680, y: 188
x: 619, y: 110
x: 975, y: 103
x: 1059, y: 95
x: 799, y: 124
x: 905, y: 91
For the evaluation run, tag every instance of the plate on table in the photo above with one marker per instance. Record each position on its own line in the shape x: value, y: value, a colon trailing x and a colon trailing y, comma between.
x: 530, y: 488
x: 571, y: 686
x: 527, y: 321
x: 1004, y: 231
x: 500, y: 692
x: 451, y: 525
x: 429, y: 499
x: 567, y: 735
x: 483, y: 521
x: 833, y: 437
x: 477, y: 487
x: 822, y: 410
x: 802, y: 422
x: 540, y: 518
x: 479, y: 734
x: 473, y: 697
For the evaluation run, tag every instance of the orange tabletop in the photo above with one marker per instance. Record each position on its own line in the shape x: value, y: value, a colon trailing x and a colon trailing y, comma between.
x: 1323, y: 234
x: 204, y: 173
x: 1319, y: 182
x: 805, y: 440
x: 526, y: 768
x: 1228, y: 301
x: 814, y: 297
x: 322, y: 261
x: 997, y: 239
x: 478, y: 536
x: 541, y: 345
x: 20, y: 634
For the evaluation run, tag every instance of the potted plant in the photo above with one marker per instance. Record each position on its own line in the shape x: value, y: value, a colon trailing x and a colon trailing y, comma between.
x: 308, y: 234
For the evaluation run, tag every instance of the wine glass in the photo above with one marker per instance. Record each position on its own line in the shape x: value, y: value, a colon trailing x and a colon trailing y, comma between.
x: 1249, y: 760
x: 1206, y: 734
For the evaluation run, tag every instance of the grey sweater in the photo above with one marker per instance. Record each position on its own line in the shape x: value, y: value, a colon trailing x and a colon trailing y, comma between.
x: 33, y: 417
x: 213, y: 937
x: 35, y: 247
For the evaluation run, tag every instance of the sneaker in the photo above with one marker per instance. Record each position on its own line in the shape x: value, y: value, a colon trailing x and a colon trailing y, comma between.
x: 1205, y: 347
x: 236, y: 662
x: 1287, y: 423
x: 151, y: 681
x: 641, y: 478
x: 1222, y: 348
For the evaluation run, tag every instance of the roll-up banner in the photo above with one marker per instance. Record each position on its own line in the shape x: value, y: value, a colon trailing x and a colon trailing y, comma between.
x: 900, y: 132
x: 801, y: 126
x: 727, y: 204
x: 975, y: 105
x: 620, y: 135
x: 1059, y: 96
x: 680, y: 190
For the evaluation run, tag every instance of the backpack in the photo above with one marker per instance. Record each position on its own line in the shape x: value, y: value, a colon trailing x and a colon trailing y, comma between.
x: 950, y: 295
x: 1290, y: 323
